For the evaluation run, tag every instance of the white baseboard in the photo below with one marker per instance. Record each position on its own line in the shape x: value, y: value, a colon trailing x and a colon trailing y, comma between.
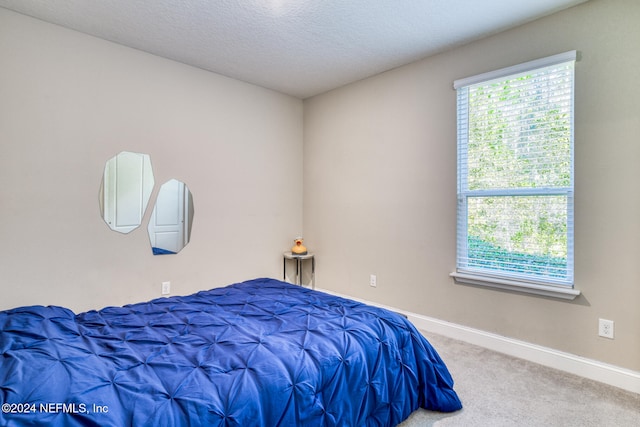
x: 598, y: 371
x: 625, y: 379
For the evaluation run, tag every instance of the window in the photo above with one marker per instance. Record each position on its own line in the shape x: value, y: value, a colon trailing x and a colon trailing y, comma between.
x: 515, y: 177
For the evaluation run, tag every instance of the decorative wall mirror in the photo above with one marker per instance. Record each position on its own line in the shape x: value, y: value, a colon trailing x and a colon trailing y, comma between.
x: 170, y: 224
x: 126, y: 187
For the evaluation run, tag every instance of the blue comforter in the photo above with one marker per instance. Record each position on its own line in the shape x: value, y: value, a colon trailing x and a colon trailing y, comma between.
x: 258, y: 353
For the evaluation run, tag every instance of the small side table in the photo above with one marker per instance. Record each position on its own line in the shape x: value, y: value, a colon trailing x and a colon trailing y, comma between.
x: 299, y: 260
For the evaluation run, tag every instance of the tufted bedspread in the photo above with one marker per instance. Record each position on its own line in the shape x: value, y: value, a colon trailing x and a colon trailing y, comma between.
x: 257, y: 353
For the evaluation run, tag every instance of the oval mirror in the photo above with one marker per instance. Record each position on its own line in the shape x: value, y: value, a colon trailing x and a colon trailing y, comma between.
x: 170, y: 224
x: 126, y: 187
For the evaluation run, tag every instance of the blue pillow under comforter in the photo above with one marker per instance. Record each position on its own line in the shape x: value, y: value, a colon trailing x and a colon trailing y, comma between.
x: 258, y: 353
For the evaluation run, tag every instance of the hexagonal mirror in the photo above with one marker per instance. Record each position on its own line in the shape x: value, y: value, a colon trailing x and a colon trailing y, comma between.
x: 126, y: 187
x: 170, y: 224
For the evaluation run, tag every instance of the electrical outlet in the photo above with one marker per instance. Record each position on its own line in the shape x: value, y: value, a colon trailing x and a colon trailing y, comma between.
x: 605, y: 328
x: 166, y: 288
x: 373, y: 280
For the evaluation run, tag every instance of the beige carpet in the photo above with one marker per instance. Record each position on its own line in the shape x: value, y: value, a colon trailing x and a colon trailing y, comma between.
x: 498, y: 390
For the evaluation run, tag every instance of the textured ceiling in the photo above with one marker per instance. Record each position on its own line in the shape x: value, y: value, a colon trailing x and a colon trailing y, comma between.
x: 298, y: 47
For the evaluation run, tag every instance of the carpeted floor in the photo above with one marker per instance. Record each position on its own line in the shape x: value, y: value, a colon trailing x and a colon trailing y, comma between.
x: 499, y: 390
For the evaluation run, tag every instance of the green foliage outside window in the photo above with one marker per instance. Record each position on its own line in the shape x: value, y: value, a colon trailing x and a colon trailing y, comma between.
x: 519, y: 137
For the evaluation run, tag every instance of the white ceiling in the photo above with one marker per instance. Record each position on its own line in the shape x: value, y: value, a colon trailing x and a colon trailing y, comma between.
x: 298, y: 47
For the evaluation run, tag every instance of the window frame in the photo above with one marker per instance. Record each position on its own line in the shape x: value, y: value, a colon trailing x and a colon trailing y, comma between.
x: 561, y: 288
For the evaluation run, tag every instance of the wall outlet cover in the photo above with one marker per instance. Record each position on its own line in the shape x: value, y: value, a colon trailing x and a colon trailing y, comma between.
x: 166, y: 288
x: 605, y: 328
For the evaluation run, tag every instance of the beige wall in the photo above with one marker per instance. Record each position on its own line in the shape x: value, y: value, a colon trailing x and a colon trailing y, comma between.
x: 68, y: 103
x: 380, y: 182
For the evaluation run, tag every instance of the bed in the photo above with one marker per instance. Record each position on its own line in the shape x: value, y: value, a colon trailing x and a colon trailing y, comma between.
x: 257, y: 353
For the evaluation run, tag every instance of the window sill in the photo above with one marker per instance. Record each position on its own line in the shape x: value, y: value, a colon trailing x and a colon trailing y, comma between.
x: 512, y: 285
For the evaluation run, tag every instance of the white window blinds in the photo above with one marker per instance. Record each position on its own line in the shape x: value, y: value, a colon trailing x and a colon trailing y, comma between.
x: 515, y: 172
